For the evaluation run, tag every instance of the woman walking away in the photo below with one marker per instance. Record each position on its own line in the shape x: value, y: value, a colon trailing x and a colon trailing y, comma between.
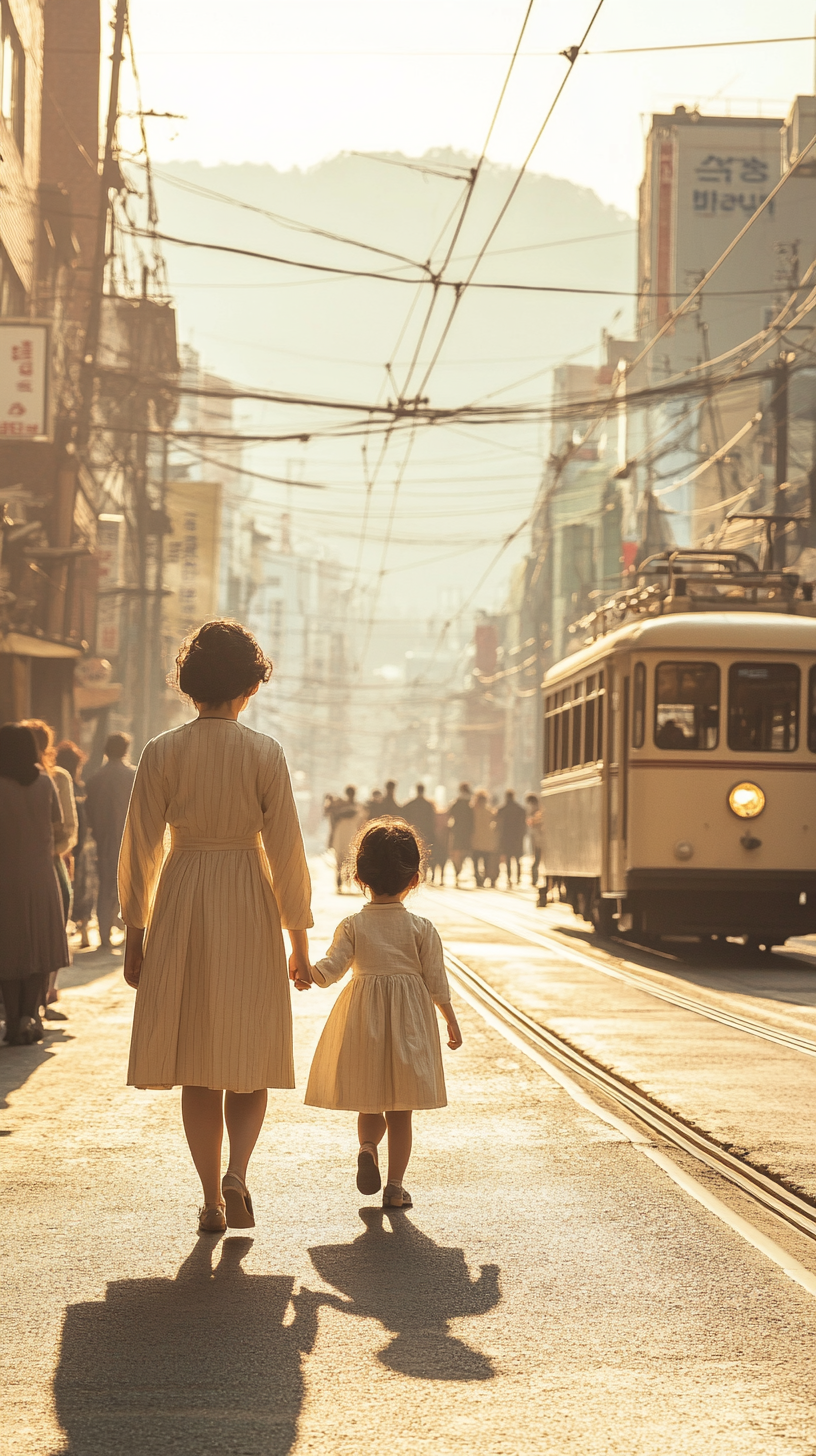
x: 379, y: 1054
x: 71, y: 758
x: 204, y: 944
x: 32, y: 927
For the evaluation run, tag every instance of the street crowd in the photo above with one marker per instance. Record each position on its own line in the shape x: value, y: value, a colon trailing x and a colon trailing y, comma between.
x: 473, y: 828
x: 58, y: 856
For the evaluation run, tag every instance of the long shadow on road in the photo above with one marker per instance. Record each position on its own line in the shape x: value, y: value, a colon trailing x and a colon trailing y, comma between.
x: 199, y: 1363
x: 414, y: 1288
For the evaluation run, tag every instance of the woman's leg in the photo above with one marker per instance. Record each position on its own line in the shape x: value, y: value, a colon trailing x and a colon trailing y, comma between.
x: 202, y: 1115
x: 400, y: 1139
x: 11, y: 1002
x: 244, y: 1113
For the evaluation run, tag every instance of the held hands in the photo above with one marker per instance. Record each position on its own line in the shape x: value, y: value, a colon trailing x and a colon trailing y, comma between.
x: 300, y: 972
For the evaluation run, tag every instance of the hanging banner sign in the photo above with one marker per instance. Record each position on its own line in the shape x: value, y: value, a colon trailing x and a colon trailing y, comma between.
x: 25, y: 406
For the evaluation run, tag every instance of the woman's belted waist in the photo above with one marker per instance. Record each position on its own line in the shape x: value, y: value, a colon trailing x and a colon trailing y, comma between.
x: 180, y: 840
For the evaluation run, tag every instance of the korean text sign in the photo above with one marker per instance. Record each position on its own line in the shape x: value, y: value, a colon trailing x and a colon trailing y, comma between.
x: 24, y: 403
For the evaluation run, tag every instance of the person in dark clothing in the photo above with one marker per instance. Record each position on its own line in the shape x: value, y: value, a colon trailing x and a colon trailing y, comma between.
x: 71, y: 757
x: 460, y: 823
x: 535, y: 825
x: 374, y: 806
x: 511, y: 823
x: 389, y: 804
x: 420, y: 813
x: 106, y: 804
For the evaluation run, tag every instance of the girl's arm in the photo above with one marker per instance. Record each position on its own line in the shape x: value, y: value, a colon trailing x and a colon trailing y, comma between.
x: 339, y: 956
x: 448, y: 1015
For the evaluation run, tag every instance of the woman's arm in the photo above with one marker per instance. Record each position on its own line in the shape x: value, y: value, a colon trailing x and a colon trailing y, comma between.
x: 133, y: 954
x: 300, y: 970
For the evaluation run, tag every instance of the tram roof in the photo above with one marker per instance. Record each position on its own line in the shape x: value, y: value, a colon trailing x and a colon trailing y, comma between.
x: 711, y: 631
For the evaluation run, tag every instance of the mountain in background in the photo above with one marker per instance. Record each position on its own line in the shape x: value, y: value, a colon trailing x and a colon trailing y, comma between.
x: 271, y: 326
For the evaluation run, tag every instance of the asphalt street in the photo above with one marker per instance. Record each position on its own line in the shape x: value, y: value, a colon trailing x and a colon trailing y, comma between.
x: 552, y: 1291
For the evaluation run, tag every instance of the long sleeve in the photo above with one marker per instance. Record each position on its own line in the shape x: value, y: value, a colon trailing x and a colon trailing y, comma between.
x: 339, y: 957
x: 432, y: 961
x: 283, y: 843
x: 140, y: 857
x: 65, y: 839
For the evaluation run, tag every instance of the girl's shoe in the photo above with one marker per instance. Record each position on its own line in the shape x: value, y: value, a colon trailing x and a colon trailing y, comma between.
x: 395, y: 1196
x: 368, y: 1172
x: 212, y: 1219
x: 238, y: 1201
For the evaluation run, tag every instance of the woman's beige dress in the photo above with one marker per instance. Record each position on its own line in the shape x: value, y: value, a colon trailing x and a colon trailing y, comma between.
x: 379, y: 1050
x: 213, y: 1007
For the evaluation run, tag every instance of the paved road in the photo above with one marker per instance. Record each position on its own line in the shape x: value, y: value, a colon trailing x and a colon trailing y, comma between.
x: 551, y: 1292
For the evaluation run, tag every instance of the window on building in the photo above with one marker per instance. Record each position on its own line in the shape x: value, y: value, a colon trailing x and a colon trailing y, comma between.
x: 12, y: 77
x: 12, y: 293
x: 638, y: 705
x: 687, y: 705
x: 763, y: 706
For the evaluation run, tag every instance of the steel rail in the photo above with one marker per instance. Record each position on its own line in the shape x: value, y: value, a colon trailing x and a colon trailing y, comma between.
x: 601, y: 961
x: 767, y: 1191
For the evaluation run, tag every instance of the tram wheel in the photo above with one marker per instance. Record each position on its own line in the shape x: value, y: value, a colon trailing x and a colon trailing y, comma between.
x: 601, y: 912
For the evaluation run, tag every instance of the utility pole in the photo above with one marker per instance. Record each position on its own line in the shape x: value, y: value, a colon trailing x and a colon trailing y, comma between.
x: 779, y: 404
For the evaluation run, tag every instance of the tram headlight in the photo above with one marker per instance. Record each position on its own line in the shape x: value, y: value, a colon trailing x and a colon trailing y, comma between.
x: 746, y: 801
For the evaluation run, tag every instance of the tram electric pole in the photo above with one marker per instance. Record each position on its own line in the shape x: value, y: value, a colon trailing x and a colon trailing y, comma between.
x: 779, y: 405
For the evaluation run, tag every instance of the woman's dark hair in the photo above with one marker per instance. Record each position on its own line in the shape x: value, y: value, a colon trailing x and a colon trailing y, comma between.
x: 70, y: 757
x: 387, y: 855
x: 219, y: 662
x: 44, y: 736
x: 19, y: 755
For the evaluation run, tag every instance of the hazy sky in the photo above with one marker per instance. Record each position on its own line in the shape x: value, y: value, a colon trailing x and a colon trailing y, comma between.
x: 292, y: 84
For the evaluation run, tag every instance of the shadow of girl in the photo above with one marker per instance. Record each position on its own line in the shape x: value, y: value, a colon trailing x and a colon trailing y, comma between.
x: 202, y: 1362
x: 414, y: 1288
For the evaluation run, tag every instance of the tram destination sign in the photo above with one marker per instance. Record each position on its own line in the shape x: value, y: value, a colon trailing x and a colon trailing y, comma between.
x: 25, y: 405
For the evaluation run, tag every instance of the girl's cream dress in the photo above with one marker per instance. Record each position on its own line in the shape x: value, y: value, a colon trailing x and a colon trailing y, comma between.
x: 380, y: 1050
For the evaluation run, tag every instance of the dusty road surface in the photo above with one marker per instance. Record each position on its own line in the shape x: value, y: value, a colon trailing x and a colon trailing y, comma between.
x: 552, y: 1291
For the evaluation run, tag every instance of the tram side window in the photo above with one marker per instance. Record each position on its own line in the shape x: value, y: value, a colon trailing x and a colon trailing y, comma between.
x: 577, y: 735
x: 812, y: 711
x: 763, y: 707
x: 687, y: 705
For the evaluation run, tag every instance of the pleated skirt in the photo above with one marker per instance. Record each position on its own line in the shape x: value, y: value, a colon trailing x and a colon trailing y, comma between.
x: 379, y: 1050
x: 213, y: 1008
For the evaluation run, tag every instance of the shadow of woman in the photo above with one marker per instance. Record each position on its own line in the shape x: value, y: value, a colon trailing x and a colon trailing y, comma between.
x: 202, y: 1362
x: 414, y: 1288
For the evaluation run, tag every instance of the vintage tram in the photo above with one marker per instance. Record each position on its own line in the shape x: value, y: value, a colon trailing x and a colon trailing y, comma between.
x: 679, y: 788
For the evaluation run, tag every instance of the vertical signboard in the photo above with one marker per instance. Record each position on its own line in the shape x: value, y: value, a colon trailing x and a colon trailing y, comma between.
x: 191, y: 556
x: 665, y: 229
x: 24, y: 370
x: 110, y: 540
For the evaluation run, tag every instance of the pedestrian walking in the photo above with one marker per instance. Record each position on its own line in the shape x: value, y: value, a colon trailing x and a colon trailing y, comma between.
x: 65, y: 837
x: 485, y: 841
x: 389, y: 804
x: 420, y: 813
x: 535, y: 829
x: 106, y: 803
x: 460, y: 823
x: 346, y: 818
x: 32, y: 925
x: 204, y: 944
x: 511, y: 822
x: 72, y: 759
x: 379, y: 1054
x: 373, y: 806
x: 440, y: 849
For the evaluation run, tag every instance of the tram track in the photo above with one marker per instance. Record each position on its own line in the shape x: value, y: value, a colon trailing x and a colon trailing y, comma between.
x: 617, y: 969
x: 552, y: 1050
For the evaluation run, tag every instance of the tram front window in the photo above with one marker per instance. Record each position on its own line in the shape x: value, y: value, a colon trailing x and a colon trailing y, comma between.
x: 687, y: 705
x: 763, y: 707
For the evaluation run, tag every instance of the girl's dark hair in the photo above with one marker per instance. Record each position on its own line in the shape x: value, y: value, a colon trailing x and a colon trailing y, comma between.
x: 219, y: 662
x: 387, y: 855
x: 19, y: 755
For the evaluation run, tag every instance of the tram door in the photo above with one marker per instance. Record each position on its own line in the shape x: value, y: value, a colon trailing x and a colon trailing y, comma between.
x: 617, y: 737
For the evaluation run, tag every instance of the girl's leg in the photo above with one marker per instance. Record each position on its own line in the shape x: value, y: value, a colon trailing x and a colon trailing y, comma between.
x: 244, y: 1113
x: 202, y: 1115
x: 400, y: 1139
x: 370, y: 1128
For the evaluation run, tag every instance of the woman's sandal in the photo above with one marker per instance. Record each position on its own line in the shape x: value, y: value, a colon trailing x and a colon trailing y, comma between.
x: 212, y: 1219
x: 238, y: 1201
x: 368, y: 1172
x: 395, y: 1196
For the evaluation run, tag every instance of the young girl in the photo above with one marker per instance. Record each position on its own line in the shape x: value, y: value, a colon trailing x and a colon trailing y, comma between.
x: 379, y: 1054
